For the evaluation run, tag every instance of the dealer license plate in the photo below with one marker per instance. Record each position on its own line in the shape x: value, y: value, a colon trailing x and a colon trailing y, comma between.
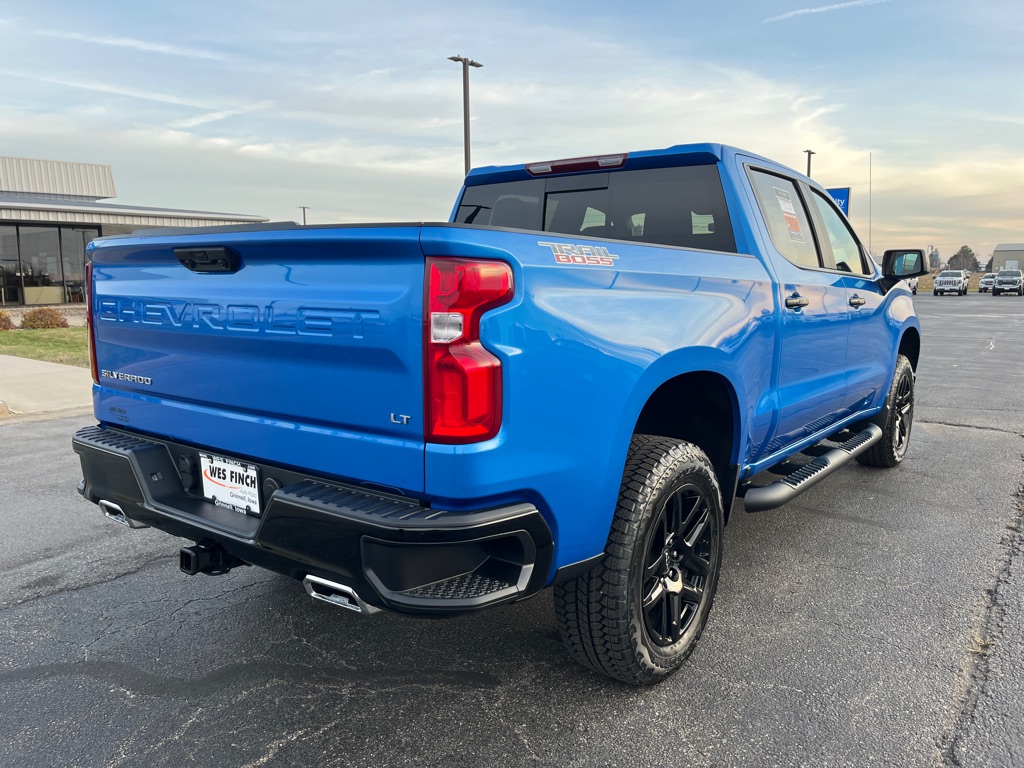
x: 232, y: 484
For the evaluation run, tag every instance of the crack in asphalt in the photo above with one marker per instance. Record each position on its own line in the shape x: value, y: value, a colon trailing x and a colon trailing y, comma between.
x: 246, y: 675
x: 970, y: 426
x: 986, y: 630
x: 78, y: 586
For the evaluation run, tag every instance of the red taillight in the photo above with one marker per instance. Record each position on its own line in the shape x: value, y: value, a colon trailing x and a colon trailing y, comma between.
x: 462, y: 379
x: 91, y: 323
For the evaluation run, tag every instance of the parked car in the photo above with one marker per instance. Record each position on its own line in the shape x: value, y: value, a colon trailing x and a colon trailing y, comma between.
x: 986, y: 282
x: 951, y: 281
x: 1009, y: 281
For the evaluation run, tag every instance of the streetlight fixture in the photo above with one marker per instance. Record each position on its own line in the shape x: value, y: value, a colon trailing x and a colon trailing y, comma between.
x: 304, y: 209
x: 809, y: 152
x: 466, y: 64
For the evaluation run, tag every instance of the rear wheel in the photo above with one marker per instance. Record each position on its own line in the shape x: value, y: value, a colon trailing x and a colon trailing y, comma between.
x: 898, y: 419
x: 637, y: 616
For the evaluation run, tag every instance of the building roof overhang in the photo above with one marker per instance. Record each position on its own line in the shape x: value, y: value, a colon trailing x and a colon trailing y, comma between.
x: 29, y: 209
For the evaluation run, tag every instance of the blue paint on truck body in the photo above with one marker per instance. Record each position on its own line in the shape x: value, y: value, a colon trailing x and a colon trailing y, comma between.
x: 311, y: 356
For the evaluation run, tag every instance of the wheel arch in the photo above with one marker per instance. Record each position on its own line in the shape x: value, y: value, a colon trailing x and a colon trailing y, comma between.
x: 910, y: 346
x: 702, y: 408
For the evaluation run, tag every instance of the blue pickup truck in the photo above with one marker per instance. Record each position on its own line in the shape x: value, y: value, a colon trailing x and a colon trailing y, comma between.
x: 569, y: 384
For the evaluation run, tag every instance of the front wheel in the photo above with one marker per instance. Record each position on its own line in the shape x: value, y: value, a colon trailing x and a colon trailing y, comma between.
x: 637, y: 615
x: 897, y: 420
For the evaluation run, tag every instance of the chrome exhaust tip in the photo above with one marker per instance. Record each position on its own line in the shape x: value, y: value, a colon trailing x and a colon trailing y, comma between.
x: 115, y: 513
x: 336, y: 594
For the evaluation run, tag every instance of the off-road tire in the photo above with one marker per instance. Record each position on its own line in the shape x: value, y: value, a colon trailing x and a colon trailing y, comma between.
x: 601, y: 614
x: 897, y: 419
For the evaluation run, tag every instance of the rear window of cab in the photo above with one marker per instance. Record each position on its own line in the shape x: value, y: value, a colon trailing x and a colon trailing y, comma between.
x: 682, y: 206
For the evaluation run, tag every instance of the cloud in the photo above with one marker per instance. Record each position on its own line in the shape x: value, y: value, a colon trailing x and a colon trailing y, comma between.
x: 117, y: 90
x: 823, y: 9
x: 212, y: 117
x: 138, y: 45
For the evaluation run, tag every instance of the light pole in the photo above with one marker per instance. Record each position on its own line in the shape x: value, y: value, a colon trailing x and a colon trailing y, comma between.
x: 466, y: 64
x: 809, y: 152
x: 304, y: 209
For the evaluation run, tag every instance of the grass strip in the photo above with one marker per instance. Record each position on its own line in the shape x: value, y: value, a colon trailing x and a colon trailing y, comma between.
x: 69, y: 346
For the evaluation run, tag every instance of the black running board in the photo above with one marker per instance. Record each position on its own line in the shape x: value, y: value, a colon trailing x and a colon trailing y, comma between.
x: 758, y: 498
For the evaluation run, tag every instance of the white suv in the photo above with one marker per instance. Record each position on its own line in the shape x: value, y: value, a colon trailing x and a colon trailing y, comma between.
x: 951, y: 281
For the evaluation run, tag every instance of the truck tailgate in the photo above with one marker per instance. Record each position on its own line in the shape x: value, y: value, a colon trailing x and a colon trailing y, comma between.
x: 307, y: 354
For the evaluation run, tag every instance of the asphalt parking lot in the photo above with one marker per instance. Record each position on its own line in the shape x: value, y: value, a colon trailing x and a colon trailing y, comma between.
x: 876, y: 620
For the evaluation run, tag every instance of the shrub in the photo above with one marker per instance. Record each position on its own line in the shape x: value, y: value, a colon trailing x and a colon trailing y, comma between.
x: 43, y: 317
x: 5, y: 322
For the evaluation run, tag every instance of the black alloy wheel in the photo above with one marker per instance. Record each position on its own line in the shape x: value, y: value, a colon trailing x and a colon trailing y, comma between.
x: 679, y: 554
x: 903, y: 407
x: 896, y: 420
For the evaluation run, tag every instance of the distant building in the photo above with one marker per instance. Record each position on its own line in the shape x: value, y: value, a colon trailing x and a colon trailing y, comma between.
x: 933, y: 259
x: 49, y: 213
x: 1009, y: 256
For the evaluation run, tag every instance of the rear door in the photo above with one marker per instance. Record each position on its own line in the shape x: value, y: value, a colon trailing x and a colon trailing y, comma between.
x: 307, y: 352
x: 815, y: 313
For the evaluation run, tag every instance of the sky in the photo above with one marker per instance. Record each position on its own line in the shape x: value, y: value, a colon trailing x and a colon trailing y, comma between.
x: 353, y: 109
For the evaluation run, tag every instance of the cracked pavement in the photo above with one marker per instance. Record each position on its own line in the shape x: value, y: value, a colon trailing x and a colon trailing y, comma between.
x: 876, y: 620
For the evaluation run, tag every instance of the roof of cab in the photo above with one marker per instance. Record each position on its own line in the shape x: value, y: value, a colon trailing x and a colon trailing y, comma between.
x: 678, y: 155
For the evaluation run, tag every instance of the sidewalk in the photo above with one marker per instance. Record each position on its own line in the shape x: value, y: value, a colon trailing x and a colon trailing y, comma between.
x: 32, y: 387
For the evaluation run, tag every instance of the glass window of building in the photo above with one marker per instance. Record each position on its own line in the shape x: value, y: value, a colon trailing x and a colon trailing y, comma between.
x: 72, y: 246
x: 41, y: 273
x: 10, y: 271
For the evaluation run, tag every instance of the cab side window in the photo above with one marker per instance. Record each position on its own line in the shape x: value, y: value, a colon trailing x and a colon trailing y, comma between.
x: 786, y: 218
x: 845, y: 248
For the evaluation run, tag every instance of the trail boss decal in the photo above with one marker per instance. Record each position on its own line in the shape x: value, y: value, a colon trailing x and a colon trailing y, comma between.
x: 593, y: 255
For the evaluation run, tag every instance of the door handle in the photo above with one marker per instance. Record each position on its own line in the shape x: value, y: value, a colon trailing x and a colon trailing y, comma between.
x: 795, y: 302
x: 857, y: 301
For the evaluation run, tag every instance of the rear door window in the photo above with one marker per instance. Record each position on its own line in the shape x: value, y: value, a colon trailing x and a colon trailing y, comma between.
x: 786, y: 218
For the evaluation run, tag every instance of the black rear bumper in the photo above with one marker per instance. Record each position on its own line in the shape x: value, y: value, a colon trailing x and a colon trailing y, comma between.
x: 396, y: 553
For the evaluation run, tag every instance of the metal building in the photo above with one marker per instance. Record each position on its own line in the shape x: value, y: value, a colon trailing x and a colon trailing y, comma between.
x: 49, y: 211
x: 1008, y: 256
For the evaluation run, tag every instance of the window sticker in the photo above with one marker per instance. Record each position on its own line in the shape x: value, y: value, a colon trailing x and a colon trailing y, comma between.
x: 702, y: 224
x: 789, y: 214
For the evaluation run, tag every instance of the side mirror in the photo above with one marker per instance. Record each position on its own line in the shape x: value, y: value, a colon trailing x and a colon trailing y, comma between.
x: 902, y: 264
